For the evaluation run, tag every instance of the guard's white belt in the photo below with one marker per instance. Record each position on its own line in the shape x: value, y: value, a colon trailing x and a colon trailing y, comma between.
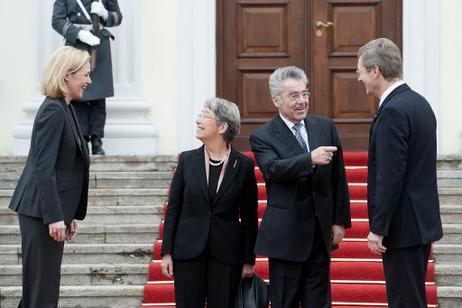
x: 87, y: 27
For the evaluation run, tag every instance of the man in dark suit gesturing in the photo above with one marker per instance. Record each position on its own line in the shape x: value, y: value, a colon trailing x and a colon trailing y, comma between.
x: 308, y: 204
x: 403, y: 204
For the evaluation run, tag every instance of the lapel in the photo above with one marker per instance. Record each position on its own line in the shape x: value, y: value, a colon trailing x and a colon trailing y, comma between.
x: 198, y: 167
x: 398, y: 90
x: 84, y: 147
x: 232, y: 167
x: 283, y: 134
x: 71, y: 119
x: 313, y: 131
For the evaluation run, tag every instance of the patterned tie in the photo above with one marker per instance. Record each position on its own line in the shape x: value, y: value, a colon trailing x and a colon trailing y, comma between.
x: 296, y: 128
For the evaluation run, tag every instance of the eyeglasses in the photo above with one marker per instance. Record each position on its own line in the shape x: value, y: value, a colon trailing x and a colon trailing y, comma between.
x: 204, y: 116
x: 294, y: 96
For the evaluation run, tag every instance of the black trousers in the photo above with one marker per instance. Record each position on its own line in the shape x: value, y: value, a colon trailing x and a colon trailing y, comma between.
x: 205, y: 280
x: 302, y: 284
x: 92, y: 117
x: 41, y: 264
x: 405, y: 274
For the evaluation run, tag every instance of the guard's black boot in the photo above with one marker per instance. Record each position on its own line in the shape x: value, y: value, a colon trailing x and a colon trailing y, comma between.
x: 97, y: 146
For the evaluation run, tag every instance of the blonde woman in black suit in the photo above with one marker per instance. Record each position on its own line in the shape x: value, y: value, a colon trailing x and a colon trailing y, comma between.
x: 53, y: 189
x: 211, y: 220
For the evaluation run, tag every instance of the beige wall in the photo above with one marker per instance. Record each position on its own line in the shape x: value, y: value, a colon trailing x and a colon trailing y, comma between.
x: 450, y: 110
x: 159, y: 69
x: 16, y: 68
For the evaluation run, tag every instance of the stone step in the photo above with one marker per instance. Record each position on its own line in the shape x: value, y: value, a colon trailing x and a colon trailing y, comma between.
x: 113, y: 215
x: 450, y: 178
x: 105, y: 163
x: 89, y: 254
x: 84, y: 274
x: 453, y: 161
x: 132, y: 180
x: 127, y: 180
x: 111, y: 196
x: 119, y: 296
x: 451, y: 214
x: 450, y: 195
x: 130, y: 296
x: 449, y: 296
x: 447, y: 195
x: 452, y: 233
x: 95, y: 234
x: 447, y: 253
x: 448, y: 274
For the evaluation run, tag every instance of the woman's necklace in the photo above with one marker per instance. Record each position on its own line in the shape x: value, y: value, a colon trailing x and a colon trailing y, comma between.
x: 221, y: 161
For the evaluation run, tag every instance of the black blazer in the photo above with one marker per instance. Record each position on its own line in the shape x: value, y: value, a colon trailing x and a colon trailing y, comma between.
x: 402, y: 190
x: 298, y: 193
x: 54, y: 183
x: 192, y: 224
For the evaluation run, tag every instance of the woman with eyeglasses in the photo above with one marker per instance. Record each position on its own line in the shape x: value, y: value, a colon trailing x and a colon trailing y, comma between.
x: 211, y: 220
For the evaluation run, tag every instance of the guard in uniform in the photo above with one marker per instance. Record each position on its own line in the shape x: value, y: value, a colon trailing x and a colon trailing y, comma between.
x: 72, y: 19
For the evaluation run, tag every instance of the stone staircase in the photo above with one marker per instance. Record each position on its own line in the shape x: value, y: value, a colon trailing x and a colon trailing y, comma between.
x: 106, y: 265
x: 448, y: 251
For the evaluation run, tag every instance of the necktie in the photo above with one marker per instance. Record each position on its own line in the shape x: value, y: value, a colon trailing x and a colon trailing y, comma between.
x: 296, y: 128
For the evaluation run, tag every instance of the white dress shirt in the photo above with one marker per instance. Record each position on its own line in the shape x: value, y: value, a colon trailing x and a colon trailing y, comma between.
x: 303, y: 131
x: 389, y: 90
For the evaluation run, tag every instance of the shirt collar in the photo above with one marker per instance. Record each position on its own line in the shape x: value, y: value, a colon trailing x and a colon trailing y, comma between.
x: 289, y: 123
x: 389, y: 90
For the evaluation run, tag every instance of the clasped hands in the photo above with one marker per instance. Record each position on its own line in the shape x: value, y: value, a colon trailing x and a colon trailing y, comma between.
x: 60, y: 231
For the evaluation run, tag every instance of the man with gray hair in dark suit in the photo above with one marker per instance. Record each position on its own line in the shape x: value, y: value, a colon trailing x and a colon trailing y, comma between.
x: 308, y: 204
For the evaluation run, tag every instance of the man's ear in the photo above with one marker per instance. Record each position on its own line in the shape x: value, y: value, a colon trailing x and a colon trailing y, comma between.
x: 277, y: 101
x: 376, y: 71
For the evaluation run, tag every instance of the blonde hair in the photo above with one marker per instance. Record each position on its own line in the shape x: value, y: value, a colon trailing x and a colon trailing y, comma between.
x: 64, y: 60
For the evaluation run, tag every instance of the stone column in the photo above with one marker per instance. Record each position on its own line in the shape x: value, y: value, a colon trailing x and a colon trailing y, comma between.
x: 127, y: 131
x: 197, y: 65
x: 421, y: 48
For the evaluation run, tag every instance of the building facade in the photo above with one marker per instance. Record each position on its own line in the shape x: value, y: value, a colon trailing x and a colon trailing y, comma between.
x: 164, y: 60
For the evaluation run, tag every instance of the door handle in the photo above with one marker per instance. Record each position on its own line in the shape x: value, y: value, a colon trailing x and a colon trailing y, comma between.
x: 321, y: 24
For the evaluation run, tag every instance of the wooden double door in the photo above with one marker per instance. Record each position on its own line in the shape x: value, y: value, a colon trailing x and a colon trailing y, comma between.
x: 254, y: 37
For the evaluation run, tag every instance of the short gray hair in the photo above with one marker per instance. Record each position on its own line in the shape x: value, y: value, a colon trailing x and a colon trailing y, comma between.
x: 225, y: 112
x: 278, y: 77
x: 384, y: 54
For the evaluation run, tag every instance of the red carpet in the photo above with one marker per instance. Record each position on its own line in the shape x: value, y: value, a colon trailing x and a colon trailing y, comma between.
x: 356, y: 274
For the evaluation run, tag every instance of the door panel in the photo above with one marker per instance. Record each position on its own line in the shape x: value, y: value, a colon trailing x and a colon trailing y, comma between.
x: 262, y: 31
x: 336, y: 91
x: 254, y: 37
